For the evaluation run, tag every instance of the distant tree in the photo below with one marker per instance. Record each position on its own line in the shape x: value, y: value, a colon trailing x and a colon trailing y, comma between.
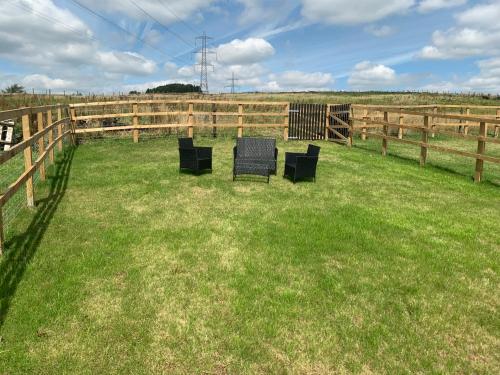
x: 14, y: 89
x: 177, y: 88
x: 134, y: 92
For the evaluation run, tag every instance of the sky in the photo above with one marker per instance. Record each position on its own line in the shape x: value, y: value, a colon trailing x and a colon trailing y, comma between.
x: 105, y: 46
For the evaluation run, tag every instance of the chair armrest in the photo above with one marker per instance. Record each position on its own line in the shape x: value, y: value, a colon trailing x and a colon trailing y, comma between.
x: 276, y: 153
x: 204, y: 152
x: 291, y: 157
x: 235, y: 151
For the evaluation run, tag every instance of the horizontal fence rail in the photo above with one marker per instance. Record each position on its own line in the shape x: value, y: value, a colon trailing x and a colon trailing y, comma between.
x: 190, y: 114
x: 425, y: 123
x: 39, y: 130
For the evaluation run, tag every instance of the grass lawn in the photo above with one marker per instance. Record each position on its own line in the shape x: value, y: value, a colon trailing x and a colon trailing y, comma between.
x: 128, y: 266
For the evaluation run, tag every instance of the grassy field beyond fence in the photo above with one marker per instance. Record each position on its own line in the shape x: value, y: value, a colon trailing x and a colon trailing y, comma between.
x: 127, y: 266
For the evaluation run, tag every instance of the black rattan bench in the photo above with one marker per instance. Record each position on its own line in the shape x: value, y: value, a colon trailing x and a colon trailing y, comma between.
x: 255, y: 156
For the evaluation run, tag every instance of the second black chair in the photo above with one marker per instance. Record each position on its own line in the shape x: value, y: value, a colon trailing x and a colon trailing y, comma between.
x: 299, y: 166
x: 193, y: 158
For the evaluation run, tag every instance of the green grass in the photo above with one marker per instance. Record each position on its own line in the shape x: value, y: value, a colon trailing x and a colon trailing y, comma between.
x: 127, y: 266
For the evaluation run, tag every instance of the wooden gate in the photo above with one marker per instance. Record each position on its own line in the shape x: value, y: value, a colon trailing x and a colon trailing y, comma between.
x: 307, y: 121
x: 339, y: 120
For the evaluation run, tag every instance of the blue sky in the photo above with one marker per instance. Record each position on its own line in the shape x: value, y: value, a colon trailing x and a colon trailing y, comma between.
x: 294, y: 45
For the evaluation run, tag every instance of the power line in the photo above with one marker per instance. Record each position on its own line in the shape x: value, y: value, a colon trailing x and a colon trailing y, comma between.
x: 52, y: 19
x: 232, y: 81
x: 204, y: 65
x: 162, y: 25
x: 125, y: 30
x: 179, y: 18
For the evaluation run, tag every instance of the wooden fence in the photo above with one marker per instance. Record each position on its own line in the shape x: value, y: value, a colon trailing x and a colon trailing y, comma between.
x: 47, y: 135
x: 462, y: 124
x: 428, y: 126
x: 192, y: 114
x: 197, y: 114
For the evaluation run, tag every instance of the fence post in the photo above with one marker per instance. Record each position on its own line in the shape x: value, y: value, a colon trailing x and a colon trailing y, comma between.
x: 351, y: 132
x: 363, y: 130
x: 73, y: 126
x: 434, y: 111
x: 287, y: 122
x: 240, y: 120
x: 41, y: 144
x: 214, y: 120
x: 59, y: 129
x: 481, y: 147
x: 401, y: 122
x: 497, y: 127
x: 466, y: 127
x: 386, y: 133
x: 135, y: 123
x: 51, y: 136
x: 1, y: 232
x: 190, y: 120
x: 28, y: 161
x: 461, y: 121
x: 425, y: 139
x: 327, y: 122
x: 351, y: 125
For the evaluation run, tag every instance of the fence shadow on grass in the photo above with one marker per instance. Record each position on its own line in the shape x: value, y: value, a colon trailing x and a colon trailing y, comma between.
x: 433, y: 164
x: 21, y: 248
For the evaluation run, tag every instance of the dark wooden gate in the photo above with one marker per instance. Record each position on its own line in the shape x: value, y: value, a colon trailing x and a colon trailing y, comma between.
x: 340, y: 116
x: 307, y: 121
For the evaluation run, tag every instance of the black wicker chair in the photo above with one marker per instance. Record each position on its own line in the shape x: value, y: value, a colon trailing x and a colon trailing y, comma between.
x: 299, y: 166
x: 255, y: 156
x: 196, y: 159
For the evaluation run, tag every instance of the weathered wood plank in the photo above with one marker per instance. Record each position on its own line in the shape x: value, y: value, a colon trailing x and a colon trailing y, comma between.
x: 41, y: 143
x: 28, y: 160
x: 135, y: 122
x: 240, y: 120
x: 481, y: 148
x: 425, y: 140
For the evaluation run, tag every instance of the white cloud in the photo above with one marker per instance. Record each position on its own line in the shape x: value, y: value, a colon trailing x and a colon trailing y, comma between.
x: 460, y: 43
x: 488, y: 79
x: 126, y: 63
x: 444, y: 86
x: 186, y: 71
x: 484, y: 16
x: 431, y: 52
x: 477, y: 34
x: 380, y: 31
x: 298, y: 81
x: 243, y: 52
x: 33, y: 32
x: 36, y: 36
x: 430, y: 5
x: 41, y: 81
x: 347, y: 12
x: 368, y: 75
